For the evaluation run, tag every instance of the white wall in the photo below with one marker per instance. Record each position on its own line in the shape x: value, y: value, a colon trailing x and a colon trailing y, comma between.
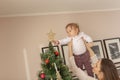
x: 30, y: 32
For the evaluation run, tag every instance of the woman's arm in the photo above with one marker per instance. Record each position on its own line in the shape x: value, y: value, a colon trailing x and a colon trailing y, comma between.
x: 77, y: 71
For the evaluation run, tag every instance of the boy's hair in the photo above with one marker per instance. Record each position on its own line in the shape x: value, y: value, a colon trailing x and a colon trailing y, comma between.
x: 73, y: 25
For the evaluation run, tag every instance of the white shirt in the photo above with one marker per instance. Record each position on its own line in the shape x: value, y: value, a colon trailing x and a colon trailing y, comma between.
x: 77, y: 42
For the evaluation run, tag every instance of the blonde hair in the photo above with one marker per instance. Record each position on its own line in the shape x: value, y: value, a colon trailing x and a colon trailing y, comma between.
x: 73, y: 25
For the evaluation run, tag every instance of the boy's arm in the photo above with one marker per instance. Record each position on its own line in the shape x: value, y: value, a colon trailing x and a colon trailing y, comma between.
x: 62, y: 41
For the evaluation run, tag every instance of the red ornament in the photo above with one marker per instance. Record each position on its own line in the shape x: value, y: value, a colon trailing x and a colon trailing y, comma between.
x: 47, y: 61
x: 56, y: 53
x: 42, y: 75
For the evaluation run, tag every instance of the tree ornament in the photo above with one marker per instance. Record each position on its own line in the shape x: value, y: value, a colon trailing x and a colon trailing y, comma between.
x: 56, y: 53
x: 42, y: 75
x: 57, y: 73
x: 51, y: 79
x: 47, y: 61
x: 51, y: 71
x: 51, y: 35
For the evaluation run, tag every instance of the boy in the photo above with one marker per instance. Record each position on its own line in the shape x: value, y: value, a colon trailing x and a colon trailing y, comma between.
x: 80, y: 52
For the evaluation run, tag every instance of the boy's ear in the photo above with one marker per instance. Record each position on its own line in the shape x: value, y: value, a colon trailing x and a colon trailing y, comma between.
x: 77, y: 30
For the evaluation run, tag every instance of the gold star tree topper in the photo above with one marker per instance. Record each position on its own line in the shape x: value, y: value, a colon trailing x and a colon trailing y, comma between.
x: 51, y: 35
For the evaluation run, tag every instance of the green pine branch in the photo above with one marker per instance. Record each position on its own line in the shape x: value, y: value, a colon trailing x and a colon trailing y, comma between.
x: 49, y: 68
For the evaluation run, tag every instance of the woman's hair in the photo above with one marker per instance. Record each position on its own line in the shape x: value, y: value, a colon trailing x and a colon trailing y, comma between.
x: 109, y: 70
x: 73, y: 25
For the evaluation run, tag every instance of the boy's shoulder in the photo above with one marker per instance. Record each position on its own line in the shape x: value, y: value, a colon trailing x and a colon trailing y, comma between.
x: 81, y: 33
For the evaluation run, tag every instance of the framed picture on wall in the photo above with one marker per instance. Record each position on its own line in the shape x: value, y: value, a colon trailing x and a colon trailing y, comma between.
x: 118, y: 69
x: 117, y: 65
x: 46, y: 49
x: 98, y: 48
x: 65, y: 53
x: 112, y: 47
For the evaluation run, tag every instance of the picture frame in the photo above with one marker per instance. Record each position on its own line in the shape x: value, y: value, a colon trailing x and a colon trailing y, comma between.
x: 45, y: 49
x: 118, y: 70
x: 112, y: 47
x: 117, y: 65
x: 65, y: 53
x: 98, y: 49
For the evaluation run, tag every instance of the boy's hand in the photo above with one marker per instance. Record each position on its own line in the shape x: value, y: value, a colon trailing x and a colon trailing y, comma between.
x: 56, y: 42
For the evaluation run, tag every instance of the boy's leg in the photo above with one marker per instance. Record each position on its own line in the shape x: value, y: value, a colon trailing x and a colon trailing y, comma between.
x: 87, y: 64
x: 78, y: 61
x: 88, y: 68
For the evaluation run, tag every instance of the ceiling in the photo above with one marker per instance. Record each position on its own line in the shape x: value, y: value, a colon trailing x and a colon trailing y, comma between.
x: 40, y: 7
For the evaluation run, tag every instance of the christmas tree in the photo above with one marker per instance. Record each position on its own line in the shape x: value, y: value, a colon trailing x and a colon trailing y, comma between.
x: 53, y: 67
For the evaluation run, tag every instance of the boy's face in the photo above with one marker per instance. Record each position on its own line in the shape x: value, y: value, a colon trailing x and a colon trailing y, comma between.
x: 71, y: 32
